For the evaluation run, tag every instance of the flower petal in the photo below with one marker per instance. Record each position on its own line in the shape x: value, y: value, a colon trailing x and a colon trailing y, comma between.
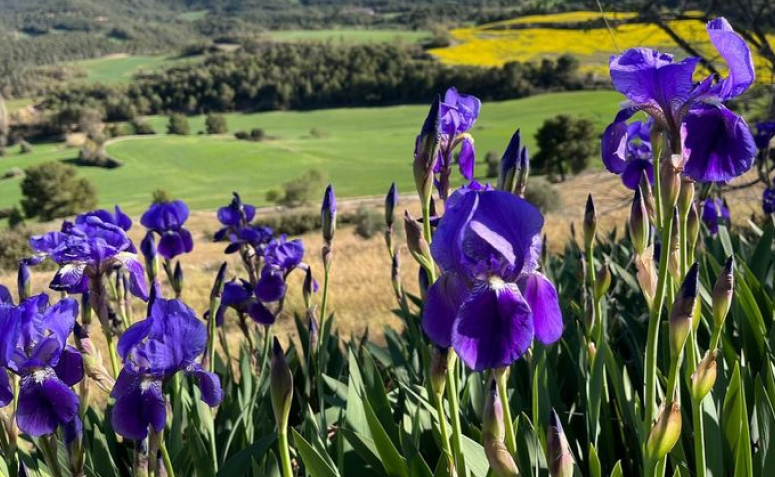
x: 614, y: 144
x: 138, y: 284
x: 633, y: 172
x: 139, y: 403
x: 209, y: 384
x: 737, y: 54
x: 541, y: 295
x: 69, y: 278
x: 6, y: 392
x: 441, y: 305
x: 45, y: 402
x: 271, y: 285
x: 467, y: 159
x: 69, y: 368
x: 493, y: 328
x: 261, y: 314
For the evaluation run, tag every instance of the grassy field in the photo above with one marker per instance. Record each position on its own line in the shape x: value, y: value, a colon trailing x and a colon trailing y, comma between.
x: 533, y: 37
x: 114, y: 69
x: 361, y: 150
x: 350, y: 35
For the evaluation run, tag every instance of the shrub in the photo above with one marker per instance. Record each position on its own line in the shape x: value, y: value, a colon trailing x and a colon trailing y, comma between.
x: 543, y: 195
x: 161, y: 196
x: 241, y: 135
x: 14, y: 246
x: 178, y: 124
x: 492, y: 160
x: 12, y: 172
x: 295, y: 223
x: 25, y: 147
x: 299, y: 191
x: 15, y: 217
x: 216, y: 124
x: 143, y: 128
x: 565, y: 142
x: 318, y: 133
x: 53, y: 190
x: 368, y: 222
x: 257, y: 134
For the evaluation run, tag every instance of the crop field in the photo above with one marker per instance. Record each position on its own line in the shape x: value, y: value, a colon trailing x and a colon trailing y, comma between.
x: 350, y: 35
x: 113, y: 69
x: 531, y: 38
x: 362, y: 150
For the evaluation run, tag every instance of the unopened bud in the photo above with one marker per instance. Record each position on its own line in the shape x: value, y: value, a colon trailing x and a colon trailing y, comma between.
x: 648, y: 197
x: 308, y: 287
x: 670, y: 177
x: 493, y: 432
x: 73, y: 440
x: 500, y: 460
x: 23, y: 281
x: 686, y: 196
x: 723, y: 292
x: 682, y: 314
x: 590, y: 222
x: 591, y: 351
x: 427, y: 150
x: 438, y: 372
x: 704, y: 377
x: 86, y: 309
x: 220, y: 281
x: 280, y: 385
x: 509, y: 164
x: 692, y: 227
x: 524, y: 172
x: 665, y: 432
x: 395, y: 275
x: 178, y: 278
x: 647, y: 275
x: 639, y: 223
x: 313, y: 329
x: 423, y: 281
x: 328, y: 214
x: 558, y: 454
x: 415, y: 241
x: 674, y: 250
x: 391, y: 201
x: 602, y: 281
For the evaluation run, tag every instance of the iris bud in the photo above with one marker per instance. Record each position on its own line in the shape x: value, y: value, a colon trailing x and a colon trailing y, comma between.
x: 647, y: 275
x: 524, y: 172
x: 665, y: 432
x: 704, y: 377
x: 427, y: 150
x: 424, y: 282
x: 73, y: 439
x: 602, y: 281
x: 395, y: 275
x: 639, y: 224
x: 178, y: 277
x: 493, y: 432
x: 415, y: 241
x: 220, y: 280
x: 438, y: 372
x: 723, y: 292
x: 328, y: 214
x: 391, y: 201
x: 591, y: 351
x: 674, y: 254
x: 692, y: 227
x: 92, y: 363
x: 590, y: 222
x: 313, y: 329
x: 23, y: 281
x: 682, y: 314
x: 648, y: 197
x: 307, y: 287
x: 670, y: 178
x: 280, y: 385
x: 686, y: 196
x: 558, y: 454
x: 508, y: 169
x: 148, y: 247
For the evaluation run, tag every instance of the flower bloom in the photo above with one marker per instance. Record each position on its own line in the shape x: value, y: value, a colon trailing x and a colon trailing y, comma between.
x: 155, y: 349
x: 765, y: 131
x: 281, y: 257
x: 167, y: 220
x: 85, y: 249
x: 239, y: 295
x: 768, y: 200
x: 33, y: 345
x: 714, y: 212
x: 236, y: 218
x: 637, y: 154
x: 717, y: 144
x: 490, y: 300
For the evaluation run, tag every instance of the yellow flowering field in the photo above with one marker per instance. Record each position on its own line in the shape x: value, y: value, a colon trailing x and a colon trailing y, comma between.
x: 533, y: 37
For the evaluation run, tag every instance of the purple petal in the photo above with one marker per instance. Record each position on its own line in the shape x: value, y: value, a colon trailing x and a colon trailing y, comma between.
x: 447, y: 245
x: 768, y: 200
x: 45, y: 402
x: 60, y: 319
x: 614, y: 144
x: 138, y: 284
x: 737, y: 54
x: 718, y: 144
x: 6, y: 392
x: 271, y: 285
x: 467, y: 159
x: 261, y: 314
x: 164, y: 217
x: 633, y: 172
x: 5, y: 296
x: 442, y: 303
x: 133, y: 336
x: 69, y: 368
x: 10, y: 330
x: 69, y: 277
x: 209, y: 385
x: 139, y: 403
x: 175, y: 243
x: 541, y: 295
x: 494, y: 327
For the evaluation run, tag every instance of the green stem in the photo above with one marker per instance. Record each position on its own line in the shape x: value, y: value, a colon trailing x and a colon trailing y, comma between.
x: 112, y: 353
x: 285, y: 456
x: 454, y: 411
x: 48, y: 445
x: 699, y: 439
x: 324, y: 300
x: 444, y: 433
x: 215, y: 303
x: 165, y: 455
x: 715, y: 338
x: 428, y: 235
x: 501, y: 379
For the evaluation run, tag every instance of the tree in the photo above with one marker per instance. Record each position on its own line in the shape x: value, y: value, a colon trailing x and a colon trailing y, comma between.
x: 53, y: 189
x: 216, y: 124
x: 5, y: 125
x: 178, y: 125
x: 565, y: 142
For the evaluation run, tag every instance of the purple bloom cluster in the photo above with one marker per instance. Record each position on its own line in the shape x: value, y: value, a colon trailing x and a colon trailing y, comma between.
x: 95, y: 243
x: 169, y: 341
x: 490, y: 301
x: 716, y: 143
x: 236, y: 219
x: 33, y: 345
x: 167, y: 219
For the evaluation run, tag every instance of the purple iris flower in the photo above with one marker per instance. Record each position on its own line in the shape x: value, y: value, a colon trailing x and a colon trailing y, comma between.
x: 765, y: 131
x: 5, y: 295
x: 768, y: 200
x: 715, y: 212
x: 717, y: 144
x: 169, y: 341
x: 33, y: 345
x: 167, y: 219
x: 281, y: 257
x: 117, y: 217
x: 236, y: 218
x: 490, y: 300
x: 637, y: 154
x: 88, y: 248
x: 239, y: 295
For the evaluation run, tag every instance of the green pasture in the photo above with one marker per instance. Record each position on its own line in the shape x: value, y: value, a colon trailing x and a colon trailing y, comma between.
x: 350, y: 35
x: 361, y: 150
x: 113, y: 69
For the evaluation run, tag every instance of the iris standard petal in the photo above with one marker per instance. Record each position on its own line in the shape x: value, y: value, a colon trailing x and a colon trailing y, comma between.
x: 209, y: 384
x: 633, y: 172
x: 138, y: 284
x: 718, y: 144
x: 541, y: 295
x: 738, y: 57
x: 271, y: 285
x: 45, y: 402
x: 467, y: 159
x: 493, y: 328
x: 133, y: 336
x: 441, y: 305
x: 614, y: 144
x: 10, y: 330
x: 6, y: 392
x: 447, y: 245
x: 60, y: 319
x: 69, y: 368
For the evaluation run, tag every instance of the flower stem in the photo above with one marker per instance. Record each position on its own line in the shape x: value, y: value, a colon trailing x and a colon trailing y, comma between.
x: 454, y: 411
x: 324, y: 299
x: 501, y: 378
x: 112, y: 353
x: 165, y: 455
x: 444, y: 434
x: 48, y: 444
x: 285, y: 456
x: 215, y: 303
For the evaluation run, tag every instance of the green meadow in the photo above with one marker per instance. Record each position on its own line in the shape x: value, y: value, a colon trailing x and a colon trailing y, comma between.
x: 350, y: 35
x: 360, y: 150
x: 113, y: 69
